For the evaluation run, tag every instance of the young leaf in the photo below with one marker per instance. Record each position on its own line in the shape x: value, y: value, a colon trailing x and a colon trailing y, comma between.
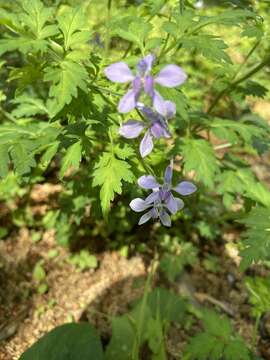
x: 66, y: 77
x: 109, y: 173
x: 256, y: 241
x: 72, y: 158
x: 199, y: 156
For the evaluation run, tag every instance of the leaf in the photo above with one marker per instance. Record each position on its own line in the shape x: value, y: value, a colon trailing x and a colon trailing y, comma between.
x: 70, y: 23
x: 233, y: 130
x: 256, y: 243
x: 22, y: 159
x: 28, y: 106
x: 109, y: 173
x: 198, y: 155
x: 34, y: 17
x: 209, y: 46
x: 69, y: 341
x: 66, y: 77
x: 4, y: 160
x: 72, y: 158
x: 217, y: 341
x: 133, y: 29
x: 259, y: 295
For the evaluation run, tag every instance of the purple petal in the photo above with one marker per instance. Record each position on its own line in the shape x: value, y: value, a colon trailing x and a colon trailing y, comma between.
x: 127, y: 103
x: 136, y: 85
x: 165, y: 218
x: 148, y: 182
x: 168, y: 173
x: 119, y: 72
x: 158, y: 130
x: 147, y: 216
x: 146, y: 145
x: 131, y: 129
x: 149, y: 85
x: 180, y: 204
x: 185, y: 188
x: 171, y: 76
x: 138, y: 205
x: 145, y: 65
x: 170, y: 109
x: 172, y: 204
x: 159, y: 103
x: 154, y: 196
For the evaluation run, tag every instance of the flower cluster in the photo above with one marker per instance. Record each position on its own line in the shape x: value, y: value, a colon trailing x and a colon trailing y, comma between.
x: 161, y: 201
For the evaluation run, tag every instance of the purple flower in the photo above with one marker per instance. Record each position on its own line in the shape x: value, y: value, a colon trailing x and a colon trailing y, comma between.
x: 169, y: 76
x: 161, y: 200
x: 156, y: 125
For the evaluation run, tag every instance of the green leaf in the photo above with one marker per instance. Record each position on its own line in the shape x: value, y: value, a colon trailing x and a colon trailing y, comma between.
x: 28, y: 106
x: 71, y: 22
x: 69, y: 341
x: 256, y: 243
x: 259, y: 295
x: 209, y: 46
x: 72, y: 158
x: 65, y: 77
x: 109, y: 173
x: 34, y: 18
x: 4, y: 162
x: 22, y: 159
x: 198, y: 155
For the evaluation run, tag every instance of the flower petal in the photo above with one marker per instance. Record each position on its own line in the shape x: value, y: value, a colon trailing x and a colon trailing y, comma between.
x: 138, y: 205
x: 149, y: 85
x: 171, y: 76
x: 158, y: 130
x: 165, y: 218
x: 131, y: 129
x: 146, y: 145
x: 168, y: 173
x: 145, y: 65
x: 128, y: 102
x: 154, y: 196
x: 171, y: 204
x: 148, y: 182
x: 159, y: 103
x: 185, y: 188
x: 180, y: 204
x: 119, y: 72
x: 170, y: 109
x: 147, y: 216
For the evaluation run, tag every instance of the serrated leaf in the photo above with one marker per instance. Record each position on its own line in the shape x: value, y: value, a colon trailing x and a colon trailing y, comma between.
x: 199, y: 156
x: 211, y: 47
x: 28, y: 106
x: 109, y: 174
x: 66, y: 77
x: 72, y: 158
x: 4, y: 160
x: 70, y: 23
x: 256, y: 243
x: 22, y: 159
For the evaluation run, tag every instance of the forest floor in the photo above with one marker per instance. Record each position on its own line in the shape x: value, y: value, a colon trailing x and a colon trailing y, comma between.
x: 72, y: 295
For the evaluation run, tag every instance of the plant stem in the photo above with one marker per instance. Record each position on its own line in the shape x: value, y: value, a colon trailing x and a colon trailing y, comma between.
x: 182, y: 6
x: 107, y: 40
x: 136, y: 347
x: 236, y: 82
x: 255, y: 331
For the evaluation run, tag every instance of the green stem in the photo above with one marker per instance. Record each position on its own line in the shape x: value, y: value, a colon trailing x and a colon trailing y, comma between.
x: 137, y: 343
x: 107, y: 40
x: 255, y: 332
x: 236, y: 82
x: 182, y: 6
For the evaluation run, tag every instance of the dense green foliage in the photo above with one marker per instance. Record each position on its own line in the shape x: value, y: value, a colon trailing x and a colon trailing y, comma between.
x: 59, y: 120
